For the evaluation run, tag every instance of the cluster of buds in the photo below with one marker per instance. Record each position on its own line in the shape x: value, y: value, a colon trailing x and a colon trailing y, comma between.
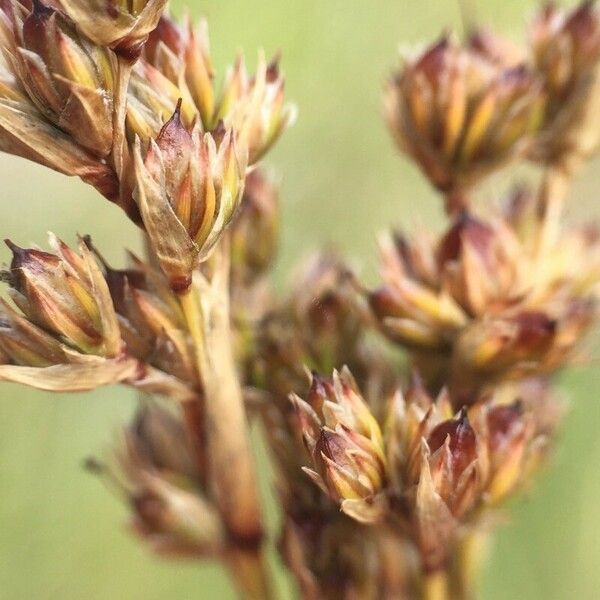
x: 65, y: 334
x: 345, y: 443
x: 151, y: 321
x: 460, y: 112
x: 321, y: 324
x: 428, y: 471
x: 74, y: 327
x: 84, y: 88
x: 481, y: 303
x: 464, y: 110
x: 154, y: 468
x: 56, y: 94
x: 69, y: 79
x: 252, y: 105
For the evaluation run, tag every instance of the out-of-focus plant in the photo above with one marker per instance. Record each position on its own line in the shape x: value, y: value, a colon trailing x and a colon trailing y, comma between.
x: 389, y: 485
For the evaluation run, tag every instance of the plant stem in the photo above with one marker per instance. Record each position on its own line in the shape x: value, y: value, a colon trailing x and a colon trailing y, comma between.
x: 550, y: 206
x: 456, y: 201
x: 249, y: 574
x: 231, y: 468
x: 435, y: 586
x: 472, y: 552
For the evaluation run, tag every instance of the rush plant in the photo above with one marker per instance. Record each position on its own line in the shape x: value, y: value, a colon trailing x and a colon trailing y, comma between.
x: 390, y: 470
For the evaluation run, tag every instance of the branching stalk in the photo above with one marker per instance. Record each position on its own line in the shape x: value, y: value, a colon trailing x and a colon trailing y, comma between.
x: 231, y: 468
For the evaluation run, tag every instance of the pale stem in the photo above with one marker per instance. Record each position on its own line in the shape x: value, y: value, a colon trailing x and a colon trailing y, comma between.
x: 471, y: 554
x: 435, y: 586
x: 550, y: 206
x: 231, y: 468
x: 249, y: 574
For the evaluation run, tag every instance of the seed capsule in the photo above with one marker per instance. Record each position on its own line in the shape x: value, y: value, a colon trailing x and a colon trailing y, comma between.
x: 188, y: 191
x: 346, y: 446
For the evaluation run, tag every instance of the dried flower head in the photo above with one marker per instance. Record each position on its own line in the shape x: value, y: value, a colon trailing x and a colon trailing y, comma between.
x: 483, y: 301
x: 55, y: 95
x: 65, y: 335
x: 188, y: 191
x: 345, y: 443
x: 154, y: 468
x: 252, y: 105
x: 566, y: 49
x: 461, y: 113
x: 69, y: 79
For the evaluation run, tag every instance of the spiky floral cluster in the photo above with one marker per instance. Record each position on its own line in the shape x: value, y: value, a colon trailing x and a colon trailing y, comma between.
x: 425, y: 469
x: 383, y: 493
x: 482, y: 304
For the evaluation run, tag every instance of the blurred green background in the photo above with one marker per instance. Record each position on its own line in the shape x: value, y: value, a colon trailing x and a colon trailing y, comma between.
x: 61, y: 533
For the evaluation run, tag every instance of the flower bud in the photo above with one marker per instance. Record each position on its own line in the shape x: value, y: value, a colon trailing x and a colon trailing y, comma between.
x: 461, y: 113
x: 327, y: 307
x: 477, y: 261
x: 254, y: 107
x: 182, y: 54
x: 70, y: 80
x: 345, y: 444
x: 122, y: 25
x: 154, y: 469
x: 509, y: 432
x: 453, y: 454
x: 151, y: 101
x: 65, y: 294
x: 150, y: 318
x: 513, y: 343
x: 255, y: 231
x: 188, y: 191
